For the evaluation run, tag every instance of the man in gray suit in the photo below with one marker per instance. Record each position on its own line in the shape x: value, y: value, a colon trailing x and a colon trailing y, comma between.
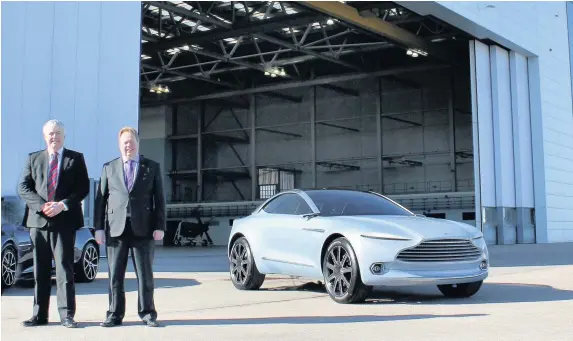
x: 130, y: 215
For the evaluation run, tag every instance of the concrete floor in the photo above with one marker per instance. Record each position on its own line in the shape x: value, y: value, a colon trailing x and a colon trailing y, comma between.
x: 528, y: 296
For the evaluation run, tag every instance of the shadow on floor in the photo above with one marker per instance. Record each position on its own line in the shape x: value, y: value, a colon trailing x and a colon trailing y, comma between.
x: 100, y: 286
x: 291, y: 320
x: 489, y: 293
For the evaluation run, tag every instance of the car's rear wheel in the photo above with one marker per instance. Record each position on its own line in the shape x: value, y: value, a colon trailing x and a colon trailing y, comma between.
x: 88, y: 266
x: 461, y: 290
x: 9, y: 264
x: 244, y: 272
x: 342, y: 273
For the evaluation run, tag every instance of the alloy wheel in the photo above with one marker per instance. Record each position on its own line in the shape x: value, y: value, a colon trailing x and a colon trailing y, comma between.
x: 9, y: 267
x: 339, y: 271
x: 90, y: 262
x: 241, y: 264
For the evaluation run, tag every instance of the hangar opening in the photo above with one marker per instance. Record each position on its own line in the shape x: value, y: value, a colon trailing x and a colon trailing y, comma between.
x: 242, y: 100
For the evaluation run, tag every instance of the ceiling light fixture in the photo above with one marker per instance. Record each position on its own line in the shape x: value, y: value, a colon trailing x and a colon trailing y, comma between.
x: 159, y: 89
x: 275, y: 71
x: 415, y: 53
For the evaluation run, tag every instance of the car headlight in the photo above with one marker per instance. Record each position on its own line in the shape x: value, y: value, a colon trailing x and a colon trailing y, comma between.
x: 479, y: 242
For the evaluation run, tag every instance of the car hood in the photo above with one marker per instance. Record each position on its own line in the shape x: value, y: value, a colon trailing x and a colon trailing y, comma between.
x: 411, y: 226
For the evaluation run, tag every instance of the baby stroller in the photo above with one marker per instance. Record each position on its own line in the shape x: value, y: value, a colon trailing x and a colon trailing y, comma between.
x: 188, y: 232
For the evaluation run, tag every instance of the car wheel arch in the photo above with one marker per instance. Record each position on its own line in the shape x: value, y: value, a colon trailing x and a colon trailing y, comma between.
x: 325, y: 245
x: 236, y: 236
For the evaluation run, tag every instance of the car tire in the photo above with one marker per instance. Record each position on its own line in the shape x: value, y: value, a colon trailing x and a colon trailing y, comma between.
x: 87, y: 267
x: 461, y: 290
x: 242, y: 267
x: 342, y: 273
x: 9, y: 266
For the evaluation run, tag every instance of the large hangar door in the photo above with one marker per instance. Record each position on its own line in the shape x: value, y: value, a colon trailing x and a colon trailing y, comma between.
x: 502, y: 144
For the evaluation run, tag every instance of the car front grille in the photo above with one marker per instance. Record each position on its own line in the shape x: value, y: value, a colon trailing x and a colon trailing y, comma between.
x: 441, y: 250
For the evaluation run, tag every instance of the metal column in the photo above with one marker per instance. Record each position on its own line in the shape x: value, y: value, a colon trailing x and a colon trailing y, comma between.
x: 174, y: 194
x: 313, y: 135
x: 200, y: 118
x: 379, y: 160
x: 452, y: 135
x: 252, y: 118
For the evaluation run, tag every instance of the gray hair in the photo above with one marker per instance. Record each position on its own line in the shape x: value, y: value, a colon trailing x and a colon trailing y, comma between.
x: 56, y: 123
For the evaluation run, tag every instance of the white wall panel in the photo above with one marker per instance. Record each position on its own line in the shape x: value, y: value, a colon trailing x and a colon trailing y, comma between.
x: 63, y: 68
x: 502, y: 127
x: 485, y: 138
x: 12, y: 80
x: 521, y: 131
x: 74, y: 61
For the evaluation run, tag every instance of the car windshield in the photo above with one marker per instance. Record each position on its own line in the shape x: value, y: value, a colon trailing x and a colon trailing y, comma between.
x: 349, y: 203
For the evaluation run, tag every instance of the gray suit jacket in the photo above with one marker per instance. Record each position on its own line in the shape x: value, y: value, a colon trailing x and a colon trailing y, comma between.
x: 146, y: 200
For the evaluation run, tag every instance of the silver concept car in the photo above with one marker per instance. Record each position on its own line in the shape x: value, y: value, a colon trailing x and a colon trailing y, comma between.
x: 354, y: 240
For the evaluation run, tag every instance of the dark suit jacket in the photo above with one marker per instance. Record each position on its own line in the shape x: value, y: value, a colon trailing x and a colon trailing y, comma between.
x: 73, y: 186
x: 146, y: 200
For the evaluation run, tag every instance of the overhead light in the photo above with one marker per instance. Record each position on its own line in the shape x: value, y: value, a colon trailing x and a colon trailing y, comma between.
x: 330, y: 22
x: 275, y: 71
x: 415, y: 53
x: 159, y: 89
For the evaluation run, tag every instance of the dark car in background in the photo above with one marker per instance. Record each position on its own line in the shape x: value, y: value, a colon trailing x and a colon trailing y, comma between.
x: 17, y: 256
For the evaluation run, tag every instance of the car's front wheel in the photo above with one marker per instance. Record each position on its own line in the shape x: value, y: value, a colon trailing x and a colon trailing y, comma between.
x: 342, y: 273
x: 9, y: 264
x: 244, y: 272
x: 88, y: 266
x: 460, y: 290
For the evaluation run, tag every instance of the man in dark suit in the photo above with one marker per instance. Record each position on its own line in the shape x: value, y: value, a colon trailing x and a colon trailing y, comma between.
x: 130, y: 214
x: 53, y: 184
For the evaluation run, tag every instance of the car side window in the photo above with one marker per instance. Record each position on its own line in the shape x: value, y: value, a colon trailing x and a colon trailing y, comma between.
x: 289, y: 203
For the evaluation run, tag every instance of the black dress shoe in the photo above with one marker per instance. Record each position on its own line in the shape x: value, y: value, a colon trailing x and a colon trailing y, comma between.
x: 110, y: 322
x: 69, y: 322
x: 151, y: 323
x: 34, y: 321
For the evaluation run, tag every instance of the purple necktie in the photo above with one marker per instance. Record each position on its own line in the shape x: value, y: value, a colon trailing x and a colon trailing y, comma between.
x: 129, y: 175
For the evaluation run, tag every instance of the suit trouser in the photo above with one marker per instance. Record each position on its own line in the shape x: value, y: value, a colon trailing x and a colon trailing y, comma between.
x: 58, y: 244
x: 142, y: 253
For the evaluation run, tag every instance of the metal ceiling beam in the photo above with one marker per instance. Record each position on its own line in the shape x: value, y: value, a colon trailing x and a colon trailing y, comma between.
x: 191, y: 76
x: 351, y: 15
x: 239, y: 29
x: 313, y: 82
x: 188, y: 14
x: 305, y: 51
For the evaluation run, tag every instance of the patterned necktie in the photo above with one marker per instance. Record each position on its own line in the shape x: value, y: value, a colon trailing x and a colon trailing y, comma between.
x: 129, y: 175
x: 53, y: 177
